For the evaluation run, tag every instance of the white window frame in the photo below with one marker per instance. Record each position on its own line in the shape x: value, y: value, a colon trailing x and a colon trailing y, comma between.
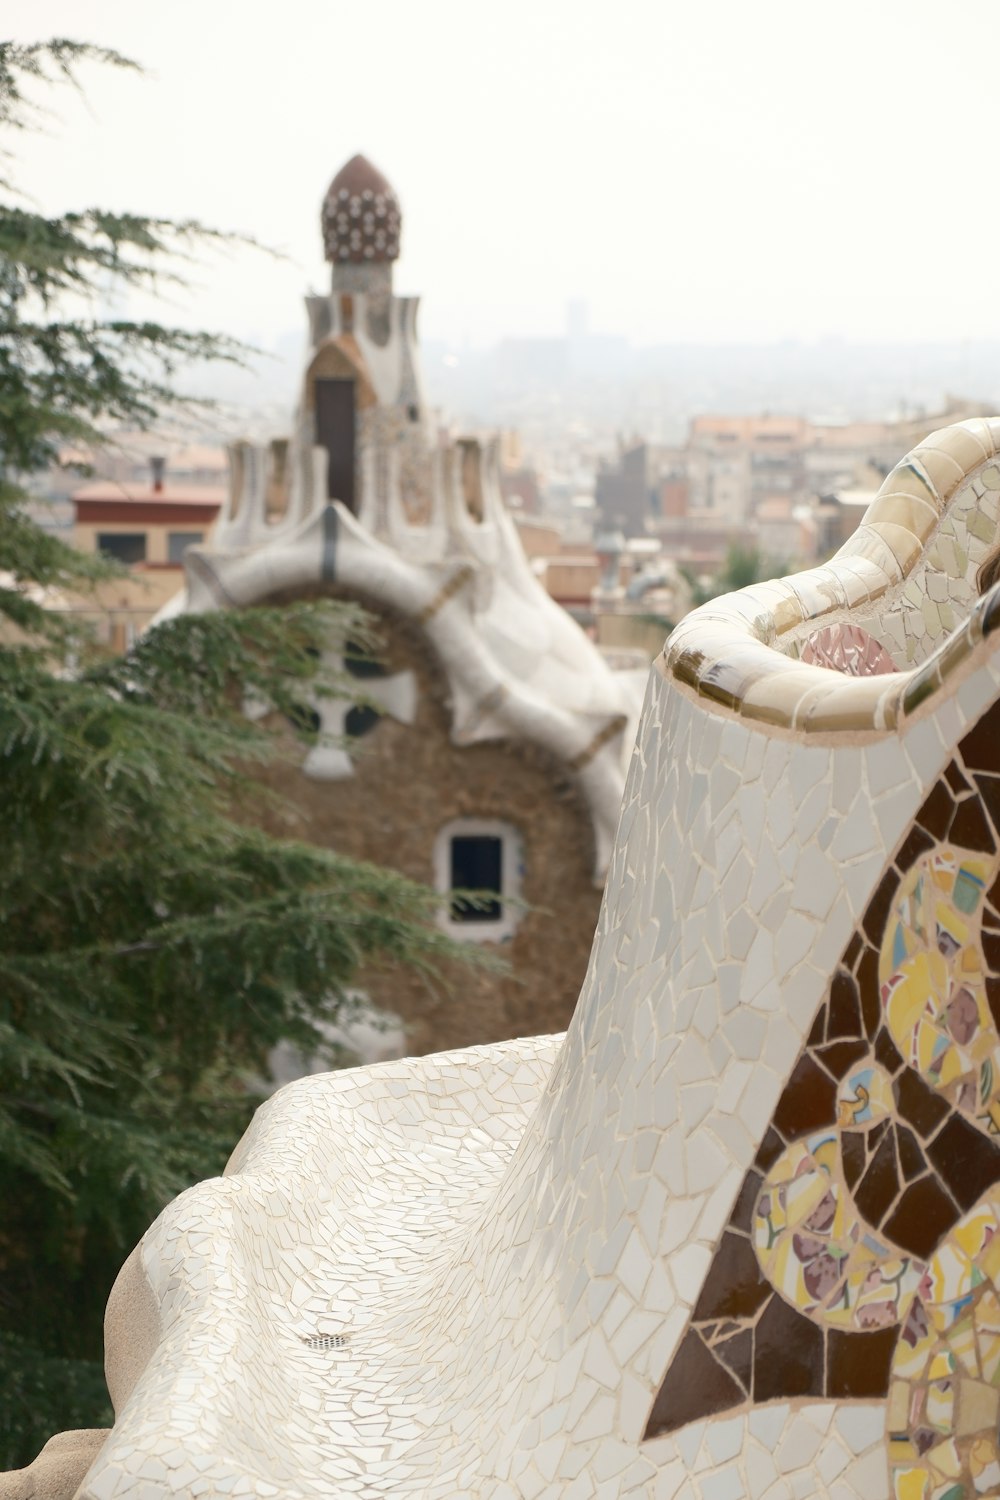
x: 511, y: 876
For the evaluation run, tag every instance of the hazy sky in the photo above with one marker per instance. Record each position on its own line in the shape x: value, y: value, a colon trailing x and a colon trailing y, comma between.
x: 711, y: 170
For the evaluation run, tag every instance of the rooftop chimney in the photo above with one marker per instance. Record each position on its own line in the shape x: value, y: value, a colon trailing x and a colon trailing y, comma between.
x: 158, y: 466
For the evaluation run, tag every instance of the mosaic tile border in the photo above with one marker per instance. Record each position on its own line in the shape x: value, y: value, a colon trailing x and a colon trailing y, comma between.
x: 725, y: 651
x: 886, y: 1130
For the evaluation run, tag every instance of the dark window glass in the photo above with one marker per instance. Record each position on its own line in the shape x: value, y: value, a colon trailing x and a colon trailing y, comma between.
x: 476, y: 865
x: 179, y: 541
x: 126, y: 546
x: 335, y: 433
x: 360, y: 719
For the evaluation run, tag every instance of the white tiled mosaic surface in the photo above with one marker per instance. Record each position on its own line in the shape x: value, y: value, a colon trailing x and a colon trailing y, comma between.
x: 933, y: 599
x: 739, y: 651
x: 471, y: 1274
x: 513, y: 1281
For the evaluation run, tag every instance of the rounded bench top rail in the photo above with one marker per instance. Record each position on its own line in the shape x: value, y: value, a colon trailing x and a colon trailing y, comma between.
x: 727, y: 651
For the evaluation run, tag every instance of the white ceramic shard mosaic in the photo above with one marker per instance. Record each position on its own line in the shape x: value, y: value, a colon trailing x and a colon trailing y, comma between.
x: 736, y: 1234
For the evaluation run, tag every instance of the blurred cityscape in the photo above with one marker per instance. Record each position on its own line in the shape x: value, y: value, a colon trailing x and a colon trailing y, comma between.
x: 642, y: 480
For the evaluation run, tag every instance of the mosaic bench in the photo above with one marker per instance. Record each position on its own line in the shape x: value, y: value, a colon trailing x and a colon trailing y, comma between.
x: 735, y: 1235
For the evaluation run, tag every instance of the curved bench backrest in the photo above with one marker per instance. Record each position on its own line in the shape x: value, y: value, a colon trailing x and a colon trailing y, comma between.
x: 909, y: 577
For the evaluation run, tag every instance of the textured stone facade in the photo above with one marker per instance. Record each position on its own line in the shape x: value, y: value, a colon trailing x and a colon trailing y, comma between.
x: 408, y: 782
x: 516, y: 718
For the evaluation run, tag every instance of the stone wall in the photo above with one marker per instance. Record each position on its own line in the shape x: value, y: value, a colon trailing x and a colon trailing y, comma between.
x: 410, y: 780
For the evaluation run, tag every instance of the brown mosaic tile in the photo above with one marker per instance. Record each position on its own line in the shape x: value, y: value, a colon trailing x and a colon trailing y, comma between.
x: 769, y: 1150
x: 818, y: 1032
x: 859, y: 1363
x: 937, y: 812
x: 971, y: 828
x: 868, y: 989
x: 918, y: 1104
x: 965, y: 1159
x: 845, y: 1008
x: 696, y: 1385
x: 853, y: 1156
x: 922, y: 1217
x: 840, y: 1056
x: 917, y: 842
x: 735, y: 1286
x: 809, y: 1100
x: 911, y: 1158
x: 993, y: 998
x: 852, y: 952
x: 880, y: 905
x: 879, y: 1187
x: 991, y: 951
x: 789, y: 1354
x: 736, y: 1353
x: 887, y: 1054
x: 979, y: 748
x: 988, y: 788
x: 742, y: 1214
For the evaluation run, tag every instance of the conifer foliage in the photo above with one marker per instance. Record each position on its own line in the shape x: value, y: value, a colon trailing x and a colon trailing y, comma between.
x: 153, y: 942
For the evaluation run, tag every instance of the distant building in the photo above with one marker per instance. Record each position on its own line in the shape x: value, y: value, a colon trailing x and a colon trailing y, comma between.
x: 737, y: 464
x: 624, y: 591
x: 539, y: 537
x: 643, y: 484
x: 520, y: 490
x: 148, y: 527
x: 739, y: 468
x: 492, y: 752
x: 763, y: 483
x: 838, y: 516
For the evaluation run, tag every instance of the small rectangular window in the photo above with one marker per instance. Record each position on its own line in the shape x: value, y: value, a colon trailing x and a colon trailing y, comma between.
x: 476, y: 865
x: 179, y: 541
x: 125, y: 546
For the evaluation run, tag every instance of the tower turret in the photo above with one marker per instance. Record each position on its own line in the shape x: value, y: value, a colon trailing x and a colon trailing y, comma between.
x: 361, y: 221
x: 362, y: 398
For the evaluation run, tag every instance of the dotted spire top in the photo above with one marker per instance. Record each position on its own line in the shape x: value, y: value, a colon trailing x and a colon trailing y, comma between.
x: 361, y: 217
